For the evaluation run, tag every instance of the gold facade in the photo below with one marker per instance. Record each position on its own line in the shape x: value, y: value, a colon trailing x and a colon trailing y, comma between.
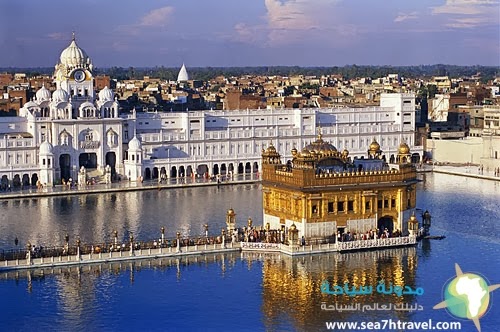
x: 301, y: 192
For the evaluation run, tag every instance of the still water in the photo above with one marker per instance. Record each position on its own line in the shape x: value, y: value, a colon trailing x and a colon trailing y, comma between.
x: 236, y: 292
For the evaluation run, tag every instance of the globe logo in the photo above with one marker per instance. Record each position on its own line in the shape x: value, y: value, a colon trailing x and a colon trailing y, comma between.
x: 467, y: 296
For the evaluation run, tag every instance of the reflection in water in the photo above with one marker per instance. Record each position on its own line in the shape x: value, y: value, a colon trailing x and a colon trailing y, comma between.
x: 94, y: 218
x: 291, y: 286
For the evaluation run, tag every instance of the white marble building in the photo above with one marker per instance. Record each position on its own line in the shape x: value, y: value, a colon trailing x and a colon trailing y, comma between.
x: 57, y: 133
x: 69, y: 128
x: 222, y: 142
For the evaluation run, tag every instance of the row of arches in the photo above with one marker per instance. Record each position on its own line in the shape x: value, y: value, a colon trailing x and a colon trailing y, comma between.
x: 200, y: 170
x: 18, y: 181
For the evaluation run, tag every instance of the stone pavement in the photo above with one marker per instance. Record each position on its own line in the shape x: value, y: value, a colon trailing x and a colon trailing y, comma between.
x: 60, y: 190
x: 472, y: 171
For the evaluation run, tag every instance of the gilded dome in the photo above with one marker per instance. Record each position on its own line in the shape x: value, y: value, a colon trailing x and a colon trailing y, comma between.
x: 230, y: 212
x: 403, y: 148
x: 320, y: 146
x: 106, y: 94
x: 305, y: 152
x: 43, y: 94
x: 73, y: 56
x: 60, y: 95
x: 374, y: 146
x: 271, y: 149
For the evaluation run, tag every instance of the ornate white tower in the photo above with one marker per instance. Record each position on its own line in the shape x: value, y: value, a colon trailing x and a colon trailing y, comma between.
x: 133, y: 165
x: 46, y: 163
x: 73, y: 74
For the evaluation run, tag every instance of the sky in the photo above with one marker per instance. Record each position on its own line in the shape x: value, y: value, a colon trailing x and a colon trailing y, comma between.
x: 223, y: 33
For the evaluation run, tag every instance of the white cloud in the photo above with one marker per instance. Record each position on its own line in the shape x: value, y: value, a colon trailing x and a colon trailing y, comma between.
x: 158, y: 17
x: 58, y: 36
x: 403, y: 17
x: 466, y: 7
x: 469, y: 13
x: 292, y: 21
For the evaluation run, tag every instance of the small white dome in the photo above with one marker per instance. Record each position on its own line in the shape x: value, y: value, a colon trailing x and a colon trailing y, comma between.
x: 87, y: 104
x: 46, y: 149
x: 31, y: 104
x: 134, y: 144
x: 60, y: 95
x: 43, y: 94
x: 183, y: 74
x: 74, y: 56
x: 106, y: 94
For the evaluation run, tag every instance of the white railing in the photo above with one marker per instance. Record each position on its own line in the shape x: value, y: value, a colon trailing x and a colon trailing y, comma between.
x: 377, y: 243
x: 261, y: 246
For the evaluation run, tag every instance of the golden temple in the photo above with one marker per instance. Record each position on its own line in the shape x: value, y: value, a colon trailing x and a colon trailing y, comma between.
x: 324, y: 192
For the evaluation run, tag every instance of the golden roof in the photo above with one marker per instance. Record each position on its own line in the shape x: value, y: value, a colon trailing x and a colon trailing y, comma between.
x: 320, y: 146
x: 403, y: 148
x: 374, y: 146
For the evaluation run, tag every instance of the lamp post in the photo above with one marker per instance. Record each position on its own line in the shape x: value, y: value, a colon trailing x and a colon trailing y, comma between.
x: 78, y: 248
x: 116, y: 239
x: 131, y: 244
x: 66, y: 238
x: 223, y: 238
x: 206, y: 231
x: 268, y: 227
x: 28, y: 253
x: 178, y: 242
x: 162, y: 235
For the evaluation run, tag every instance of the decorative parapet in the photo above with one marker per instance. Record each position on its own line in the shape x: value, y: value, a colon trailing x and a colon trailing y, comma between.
x: 308, y: 178
x: 260, y: 246
x: 377, y: 243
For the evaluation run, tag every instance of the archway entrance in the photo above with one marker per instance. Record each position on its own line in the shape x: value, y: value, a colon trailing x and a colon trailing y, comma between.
x: 34, y: 179
x: 65, y: 165
x: 4, y: 182
x: 202, y: 170
x: 173, y: 172
x: 147, y: 173
x: 111, y: 161
x: 88, y: 160
x: 16, y: 181
x: 386, y: 222
x: 26, y: 180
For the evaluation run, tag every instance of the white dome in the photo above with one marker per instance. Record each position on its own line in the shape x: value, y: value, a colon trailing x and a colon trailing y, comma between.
x: 74, y: 56
x: 60, y: 95
x: 30, y: 104
x: 106, y: 94
x: 134, y: 144
x: 87, y: 104
x: 46, y: 148
x: 43, y: 94
x: 183, y: 74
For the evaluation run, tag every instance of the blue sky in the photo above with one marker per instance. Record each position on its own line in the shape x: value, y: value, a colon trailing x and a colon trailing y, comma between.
x: 252, y: 32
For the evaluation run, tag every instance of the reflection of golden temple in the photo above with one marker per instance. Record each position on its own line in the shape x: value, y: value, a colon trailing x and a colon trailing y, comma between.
x: 292, y: 286
x: 324, y: 192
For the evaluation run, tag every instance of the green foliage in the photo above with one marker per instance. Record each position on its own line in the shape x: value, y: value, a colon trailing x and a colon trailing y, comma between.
x: 348, y: 72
